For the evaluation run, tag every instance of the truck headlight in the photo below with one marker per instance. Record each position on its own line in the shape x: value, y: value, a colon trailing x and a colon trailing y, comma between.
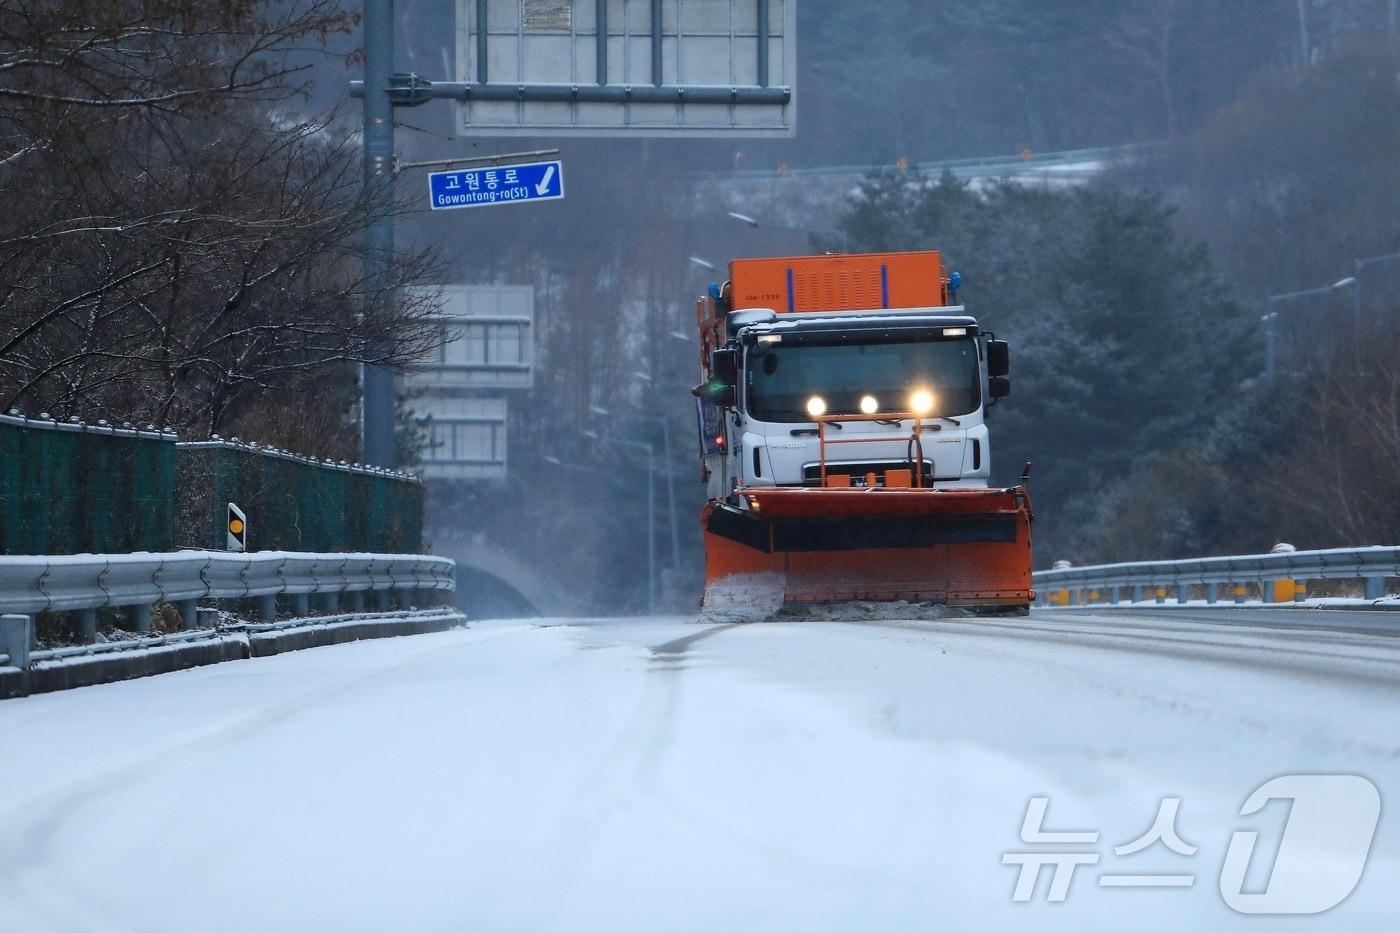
x: 921, y: 403
x: 868, y: 405
x: 816, y: 406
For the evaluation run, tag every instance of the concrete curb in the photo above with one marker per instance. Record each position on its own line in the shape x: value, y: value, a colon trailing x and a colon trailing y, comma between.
x: 48, y: 676
x: 1361, y: 607
x: 266, y: 644
x: 86, y: 671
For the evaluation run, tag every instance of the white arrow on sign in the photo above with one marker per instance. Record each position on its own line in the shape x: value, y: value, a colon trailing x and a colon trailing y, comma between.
x: 543, y: 186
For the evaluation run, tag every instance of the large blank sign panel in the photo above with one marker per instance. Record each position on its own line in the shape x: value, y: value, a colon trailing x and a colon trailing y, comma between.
x: 613, y: 67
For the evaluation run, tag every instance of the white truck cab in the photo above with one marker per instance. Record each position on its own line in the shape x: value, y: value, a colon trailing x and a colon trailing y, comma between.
x: 881, y: 367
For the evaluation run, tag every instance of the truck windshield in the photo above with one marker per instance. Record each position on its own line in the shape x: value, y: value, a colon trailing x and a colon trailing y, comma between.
x: 782, y: 378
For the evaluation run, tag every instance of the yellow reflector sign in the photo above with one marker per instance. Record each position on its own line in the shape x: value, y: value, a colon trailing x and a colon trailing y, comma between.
x: 237, y: 527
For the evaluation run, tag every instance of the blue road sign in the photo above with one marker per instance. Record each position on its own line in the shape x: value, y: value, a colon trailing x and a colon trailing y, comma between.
x: 503, y: 184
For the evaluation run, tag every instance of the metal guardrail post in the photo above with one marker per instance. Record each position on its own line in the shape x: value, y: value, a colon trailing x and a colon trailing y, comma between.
x: 16, y: 636
x: 382, y: 601
x: 1212, y: 592
x: 1183, y: 593
x: 1269, y: 592
x: 141, y: 617
x: 1375, y: 587
x: 1135, y: 594
x: 357, y: 600
x: 85, y: 625
x: 189, y: 613
x: 267, y: 608
x: 330, y: 599
x: 301, y: 604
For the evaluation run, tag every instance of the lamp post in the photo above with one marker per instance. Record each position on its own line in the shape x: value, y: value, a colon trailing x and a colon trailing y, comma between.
x: 670, y: 478
x: 1268, y: 321
x: 1270, y: 317
x: 651, y: 509
x: 811, y: 231
x: 1359, y: 266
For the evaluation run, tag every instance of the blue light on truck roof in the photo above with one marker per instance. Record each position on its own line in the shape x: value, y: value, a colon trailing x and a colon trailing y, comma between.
x: 714, y: 291
x: 954, y: 283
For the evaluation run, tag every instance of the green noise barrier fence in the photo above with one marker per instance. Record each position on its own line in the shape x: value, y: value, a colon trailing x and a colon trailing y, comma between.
x: 295, y: 503
x: 71, y: 488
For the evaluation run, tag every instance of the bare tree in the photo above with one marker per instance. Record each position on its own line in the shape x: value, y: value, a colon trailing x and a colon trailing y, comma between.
x: 1343, y: 481
x: 179, y: 240
x: 1145, y: 34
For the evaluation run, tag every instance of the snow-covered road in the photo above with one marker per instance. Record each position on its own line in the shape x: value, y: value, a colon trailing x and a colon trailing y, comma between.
x: 657, y: 775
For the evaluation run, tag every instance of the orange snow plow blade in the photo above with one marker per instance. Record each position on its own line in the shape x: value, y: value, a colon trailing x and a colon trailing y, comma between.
x: 793, y: 546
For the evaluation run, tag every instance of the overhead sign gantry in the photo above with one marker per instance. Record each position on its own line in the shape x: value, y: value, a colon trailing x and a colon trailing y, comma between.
x: 571, y: 67
x: 617, y: 67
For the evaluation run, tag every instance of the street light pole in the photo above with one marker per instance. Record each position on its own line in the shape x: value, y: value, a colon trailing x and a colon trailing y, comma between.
x: 670, y: 476
x: 1354, y: 284
x: 1270, y: 317
x: 1360, y: 265
x: 810, y: 231
x: 651, y: 510
x: 1268, y: 321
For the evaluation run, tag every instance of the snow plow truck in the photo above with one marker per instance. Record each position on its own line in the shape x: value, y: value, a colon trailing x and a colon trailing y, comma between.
x: 843, y: 428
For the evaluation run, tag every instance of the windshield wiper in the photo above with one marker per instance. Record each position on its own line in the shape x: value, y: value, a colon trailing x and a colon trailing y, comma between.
x: 812, y: 432
x: 932, y: 427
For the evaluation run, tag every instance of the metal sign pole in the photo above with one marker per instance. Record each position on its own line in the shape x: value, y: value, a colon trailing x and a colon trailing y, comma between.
x: 756, y: 99
x: 377, y: 386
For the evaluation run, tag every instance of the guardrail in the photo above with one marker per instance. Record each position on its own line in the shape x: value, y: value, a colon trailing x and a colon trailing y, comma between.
x: 180, y: 638
x: 1293, y: 569
x: 82, y: 584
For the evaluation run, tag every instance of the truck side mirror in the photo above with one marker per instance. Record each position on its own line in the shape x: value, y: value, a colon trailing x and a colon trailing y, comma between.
x: 999, y: 387
x: 717, y: 393
x: 721, y: 389
x: 998, y: 358
x: 724, y: 366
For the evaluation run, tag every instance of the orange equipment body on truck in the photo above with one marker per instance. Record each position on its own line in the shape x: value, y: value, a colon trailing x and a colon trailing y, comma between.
x: 863, y: 496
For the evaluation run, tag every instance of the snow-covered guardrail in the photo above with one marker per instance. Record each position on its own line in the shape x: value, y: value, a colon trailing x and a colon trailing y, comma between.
x: 84, y: 583
x: 1072, y: 585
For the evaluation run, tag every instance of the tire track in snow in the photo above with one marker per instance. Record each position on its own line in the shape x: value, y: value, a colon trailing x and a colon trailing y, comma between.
x: 25, y: 850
